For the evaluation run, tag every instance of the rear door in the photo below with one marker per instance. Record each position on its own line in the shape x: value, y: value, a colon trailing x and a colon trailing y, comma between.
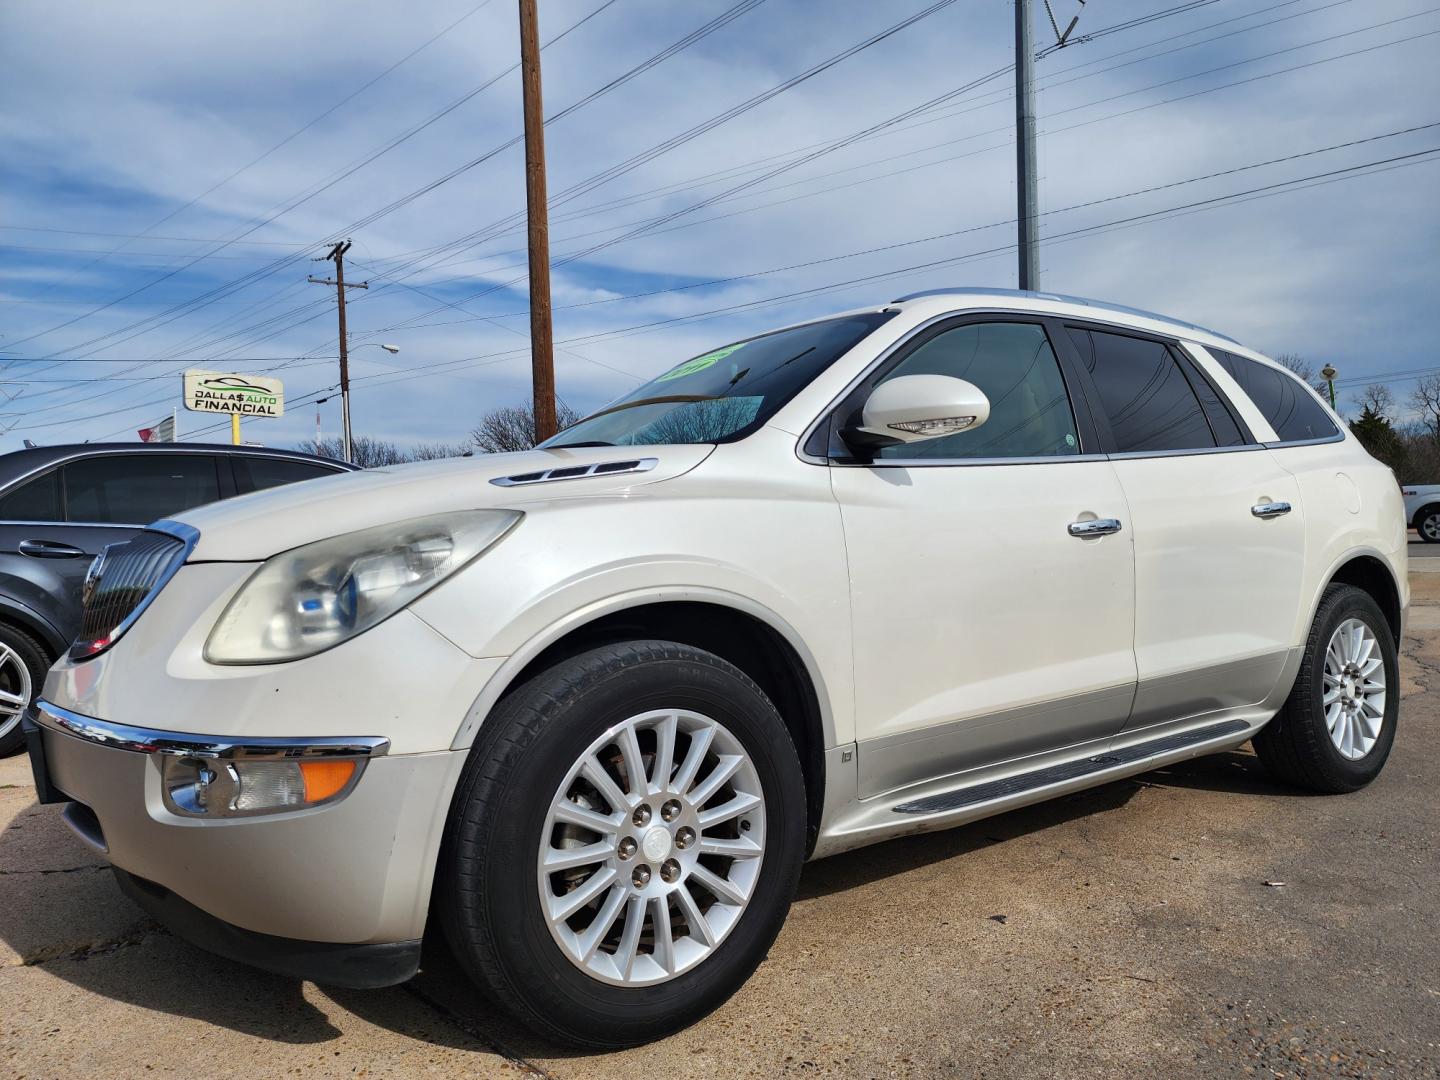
x: 1217, y: 527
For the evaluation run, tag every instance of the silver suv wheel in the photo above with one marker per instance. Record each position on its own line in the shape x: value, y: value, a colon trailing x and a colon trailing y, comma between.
x: 652, y: 847
x: 1354, y: 696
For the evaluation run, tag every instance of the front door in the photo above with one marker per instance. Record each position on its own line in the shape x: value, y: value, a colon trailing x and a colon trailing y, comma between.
x: 985, y: 630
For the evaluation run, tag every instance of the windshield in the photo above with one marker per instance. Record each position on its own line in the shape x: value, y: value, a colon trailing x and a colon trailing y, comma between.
x: 724, y: 394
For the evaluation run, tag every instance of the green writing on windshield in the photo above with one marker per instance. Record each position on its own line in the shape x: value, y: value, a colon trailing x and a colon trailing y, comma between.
x: 700, y: 363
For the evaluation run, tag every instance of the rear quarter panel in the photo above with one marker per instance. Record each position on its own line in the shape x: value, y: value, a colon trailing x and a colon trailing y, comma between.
x: 1352, y: 507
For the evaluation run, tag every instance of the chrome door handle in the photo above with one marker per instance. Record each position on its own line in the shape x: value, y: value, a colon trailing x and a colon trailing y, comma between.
x: 49, y: 549
x: 1270, y: 509
x: 1097, y: 527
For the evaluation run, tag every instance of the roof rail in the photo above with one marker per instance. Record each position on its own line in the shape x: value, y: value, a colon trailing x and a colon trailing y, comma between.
x: 1099, y: 305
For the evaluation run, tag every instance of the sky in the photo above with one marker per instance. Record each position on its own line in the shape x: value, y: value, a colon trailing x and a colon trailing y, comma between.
x: 172, y: 171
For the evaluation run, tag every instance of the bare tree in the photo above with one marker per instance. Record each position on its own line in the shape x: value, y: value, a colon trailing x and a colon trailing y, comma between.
x: 512, y: 427
x: 1378, y: 400
x: 370, y: 453
x: 440, y: 450
x: 1298, y: 365
x: 1425, y: 400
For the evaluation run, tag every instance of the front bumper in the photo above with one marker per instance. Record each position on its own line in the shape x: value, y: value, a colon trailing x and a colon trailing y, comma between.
x: 357, y: 871
x: 362, y: 967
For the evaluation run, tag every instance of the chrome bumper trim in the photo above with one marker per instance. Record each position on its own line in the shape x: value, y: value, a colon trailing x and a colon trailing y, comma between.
x: 183, y: 744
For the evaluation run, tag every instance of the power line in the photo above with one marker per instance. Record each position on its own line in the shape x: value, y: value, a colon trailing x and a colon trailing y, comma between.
x: 650, y: 225
x: 1300, y: 183
x: 306, y: 197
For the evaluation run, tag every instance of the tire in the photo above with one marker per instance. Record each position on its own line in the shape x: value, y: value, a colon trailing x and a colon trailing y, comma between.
x: 23, y: 663
x: 1427, y: 524
x: 496, y: 901
x: 1297, y: 746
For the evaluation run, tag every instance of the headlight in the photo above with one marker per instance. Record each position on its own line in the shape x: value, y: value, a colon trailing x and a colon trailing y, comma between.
x: 307, y: 600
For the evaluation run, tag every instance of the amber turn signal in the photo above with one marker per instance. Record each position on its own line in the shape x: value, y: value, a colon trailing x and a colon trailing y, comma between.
x: 325, y: 778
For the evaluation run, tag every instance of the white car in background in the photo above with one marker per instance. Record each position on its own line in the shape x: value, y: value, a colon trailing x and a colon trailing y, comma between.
x: 594, y: 704
x: 1422, y: 510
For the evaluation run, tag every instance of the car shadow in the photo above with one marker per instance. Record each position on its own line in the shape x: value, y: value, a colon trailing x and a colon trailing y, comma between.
x: 155, y: 971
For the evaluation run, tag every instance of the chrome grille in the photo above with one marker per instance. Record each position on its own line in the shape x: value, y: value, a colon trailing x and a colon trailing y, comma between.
x: 120, y: 583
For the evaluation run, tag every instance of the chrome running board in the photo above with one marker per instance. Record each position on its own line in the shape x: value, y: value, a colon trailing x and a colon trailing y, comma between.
x: 1070, y: 770
x: 850, y: 822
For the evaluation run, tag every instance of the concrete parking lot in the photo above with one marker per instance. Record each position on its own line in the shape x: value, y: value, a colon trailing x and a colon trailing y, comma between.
x: 1197, y: 921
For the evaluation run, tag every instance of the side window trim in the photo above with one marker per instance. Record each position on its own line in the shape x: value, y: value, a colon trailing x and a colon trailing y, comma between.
x: 1102, y: 422
x: 837, y: 455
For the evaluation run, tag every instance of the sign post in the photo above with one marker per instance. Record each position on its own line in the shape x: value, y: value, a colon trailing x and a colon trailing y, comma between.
x: 235, y: 395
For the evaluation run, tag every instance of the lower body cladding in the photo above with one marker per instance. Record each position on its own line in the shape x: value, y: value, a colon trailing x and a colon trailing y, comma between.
x: 338, y: 892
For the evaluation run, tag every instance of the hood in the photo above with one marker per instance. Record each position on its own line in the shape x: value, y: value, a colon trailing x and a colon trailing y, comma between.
x: 255, y: 527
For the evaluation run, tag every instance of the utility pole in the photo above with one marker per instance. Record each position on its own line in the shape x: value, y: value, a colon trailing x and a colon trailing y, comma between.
x: 1026, y: 180
x: 337, y: 256
x: 542, y: 348
x: 1026, y: 188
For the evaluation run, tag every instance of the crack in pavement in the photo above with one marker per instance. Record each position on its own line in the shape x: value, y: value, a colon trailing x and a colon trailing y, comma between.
x: 89, y: 952
x: 62, y: 870
x: 484, y: 1038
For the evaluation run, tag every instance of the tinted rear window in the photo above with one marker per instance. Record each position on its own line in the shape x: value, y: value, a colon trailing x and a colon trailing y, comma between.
x: 36, y: 500
x: 1148, y: 400
x: 259, y: 473
x: 1281, y: 398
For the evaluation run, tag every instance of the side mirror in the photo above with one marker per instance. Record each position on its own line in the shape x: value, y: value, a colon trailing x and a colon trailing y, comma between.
x: 914, y: 408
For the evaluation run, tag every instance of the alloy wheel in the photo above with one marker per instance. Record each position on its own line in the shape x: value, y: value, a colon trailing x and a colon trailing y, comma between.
x: 652, y: 847
x: 1354, y: 695
x: 15, y: 689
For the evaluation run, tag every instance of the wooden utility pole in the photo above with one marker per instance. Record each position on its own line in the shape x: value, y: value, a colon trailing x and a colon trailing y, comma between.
x: 542, y: 347
x: 337, y: 256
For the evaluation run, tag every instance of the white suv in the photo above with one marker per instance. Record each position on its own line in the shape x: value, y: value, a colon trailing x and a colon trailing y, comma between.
x: 593, y: 705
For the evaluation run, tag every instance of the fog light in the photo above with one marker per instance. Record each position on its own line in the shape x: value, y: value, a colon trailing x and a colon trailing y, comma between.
x: 204, y: 787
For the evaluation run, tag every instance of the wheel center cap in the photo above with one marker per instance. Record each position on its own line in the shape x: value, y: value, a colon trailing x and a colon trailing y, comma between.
x: 656, y: 844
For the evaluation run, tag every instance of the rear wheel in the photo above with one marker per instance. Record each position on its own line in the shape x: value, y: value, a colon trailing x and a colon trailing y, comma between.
x: 624, y: 844
x: 1427, y: 524
x: 23, y: 663
x: 1338, y: 724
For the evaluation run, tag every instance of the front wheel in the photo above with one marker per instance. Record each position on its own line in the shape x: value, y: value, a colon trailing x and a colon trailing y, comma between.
x: 1336, y: 728
x: 23, y: 663
x: 624, y: 844
x: 1427, y: 525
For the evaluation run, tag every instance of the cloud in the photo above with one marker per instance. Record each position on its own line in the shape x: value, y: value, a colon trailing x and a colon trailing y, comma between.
x: 118, y: 118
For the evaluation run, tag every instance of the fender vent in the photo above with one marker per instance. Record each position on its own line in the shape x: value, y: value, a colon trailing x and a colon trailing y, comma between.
x: 575, y: 472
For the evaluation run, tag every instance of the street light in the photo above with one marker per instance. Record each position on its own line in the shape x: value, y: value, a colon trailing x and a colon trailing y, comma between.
x: 345, y: 399
x: 1328, y: 373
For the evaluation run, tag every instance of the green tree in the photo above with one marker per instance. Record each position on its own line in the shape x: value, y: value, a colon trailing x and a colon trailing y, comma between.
x: 1378, y: 435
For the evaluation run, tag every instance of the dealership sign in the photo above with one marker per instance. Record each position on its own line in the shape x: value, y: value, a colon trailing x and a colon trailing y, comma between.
x: 239, y: 395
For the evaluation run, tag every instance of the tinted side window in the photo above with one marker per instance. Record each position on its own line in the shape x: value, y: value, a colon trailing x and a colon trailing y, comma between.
x: 1292, y: 412
x: 1016, y: 368
x: 136, y: 489
x: 259, y: 473
x: 1146, y: 396
x: 38, y: 500
x: 1227, y: 432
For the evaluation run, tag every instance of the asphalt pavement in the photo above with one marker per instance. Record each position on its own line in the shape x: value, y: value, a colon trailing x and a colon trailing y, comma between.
x: 1196, y: 921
